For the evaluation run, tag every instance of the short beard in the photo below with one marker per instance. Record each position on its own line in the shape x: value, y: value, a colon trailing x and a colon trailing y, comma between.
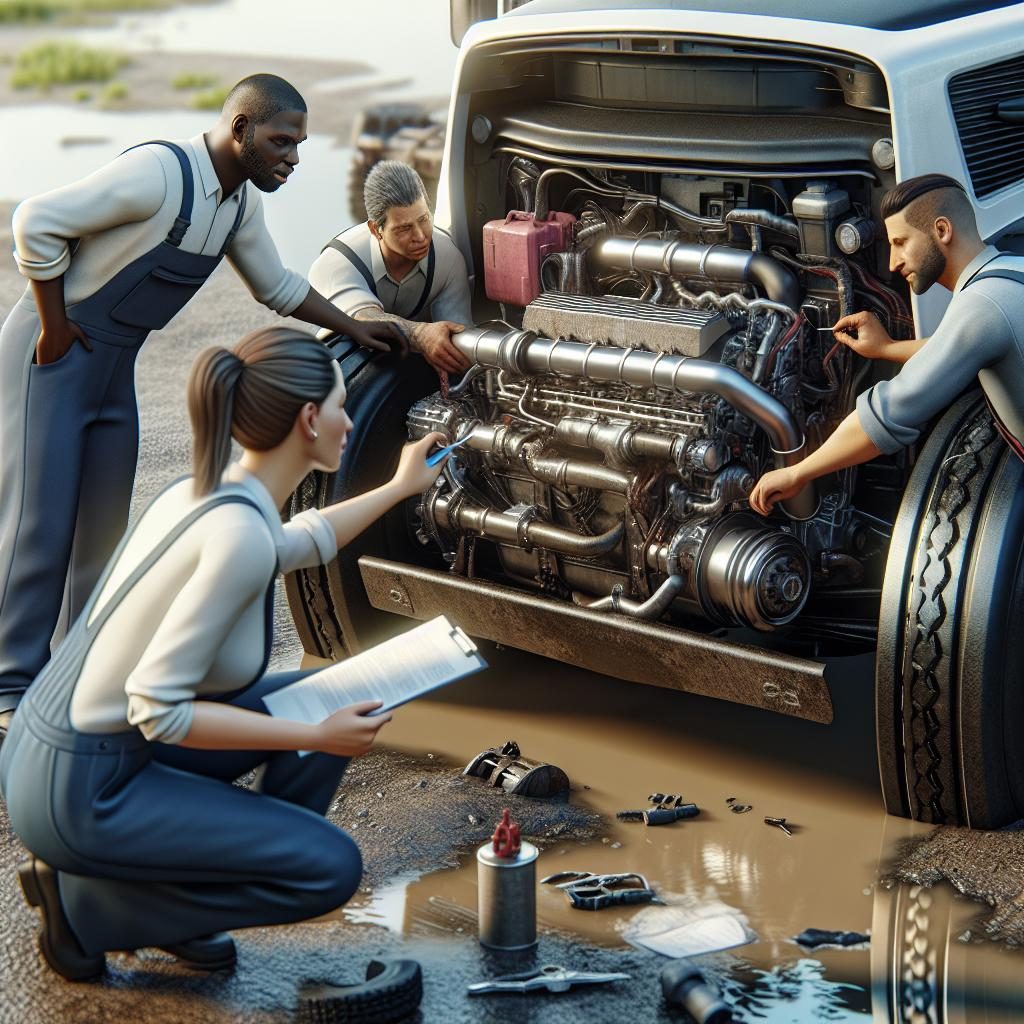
x: 255, y: 168
x: 931, y: 269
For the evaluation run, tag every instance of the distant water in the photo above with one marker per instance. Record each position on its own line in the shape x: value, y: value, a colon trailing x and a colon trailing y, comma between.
x: 397, y: 37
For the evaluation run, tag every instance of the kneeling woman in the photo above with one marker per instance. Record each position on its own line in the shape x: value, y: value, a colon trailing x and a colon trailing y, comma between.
x: 118, y: 767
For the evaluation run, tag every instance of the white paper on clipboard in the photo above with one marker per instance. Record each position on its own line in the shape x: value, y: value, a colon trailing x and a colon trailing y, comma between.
x: 407, y: 666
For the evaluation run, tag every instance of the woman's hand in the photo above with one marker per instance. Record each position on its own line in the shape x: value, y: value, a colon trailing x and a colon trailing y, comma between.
x: 351, y: 731
x: 413, y: 475
x: 778, y: 485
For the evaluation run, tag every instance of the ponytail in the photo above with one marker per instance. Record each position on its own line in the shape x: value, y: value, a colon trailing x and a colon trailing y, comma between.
x: 211, y: 405
x: 252, y: 393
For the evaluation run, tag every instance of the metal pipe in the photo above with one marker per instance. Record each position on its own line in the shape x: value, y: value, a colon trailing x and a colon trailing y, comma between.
x: 501, y: 440
x: 623, y: 441
x: 524, y: 353
x: 569, y: 473
x: 459, y: 514
x: 653, y: 608
x: 687, y: 259
x: 763, y: 219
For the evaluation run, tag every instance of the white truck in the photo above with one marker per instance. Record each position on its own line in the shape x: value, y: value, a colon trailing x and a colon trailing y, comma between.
x: 663, y: 204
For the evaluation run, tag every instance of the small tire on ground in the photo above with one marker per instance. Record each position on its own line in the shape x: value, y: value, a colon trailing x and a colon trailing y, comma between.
x: 949, y: 704
x: 392, y: 991
x: 333, y: 616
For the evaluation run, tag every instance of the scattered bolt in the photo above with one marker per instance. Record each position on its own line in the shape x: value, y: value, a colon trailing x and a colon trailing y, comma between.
x: 422, y: 784
x: 364, y: 813
x: 473, y: 819
x: 779, y: 823
x: 380, y: 795
x: 740, y: 808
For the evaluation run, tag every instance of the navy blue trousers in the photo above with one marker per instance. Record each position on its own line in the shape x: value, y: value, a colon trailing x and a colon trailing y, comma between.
x: 153, y: 843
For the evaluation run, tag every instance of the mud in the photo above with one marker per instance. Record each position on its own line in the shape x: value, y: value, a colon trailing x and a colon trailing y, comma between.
x: 988, y: 867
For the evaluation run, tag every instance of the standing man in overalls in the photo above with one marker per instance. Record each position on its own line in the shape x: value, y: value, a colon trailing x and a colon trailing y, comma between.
x: 933, y: 239
x: 111, y: 258
x: 396, y: 268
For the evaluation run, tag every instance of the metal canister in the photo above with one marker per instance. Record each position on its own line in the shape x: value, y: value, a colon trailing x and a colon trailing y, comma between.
x: 507, y: 888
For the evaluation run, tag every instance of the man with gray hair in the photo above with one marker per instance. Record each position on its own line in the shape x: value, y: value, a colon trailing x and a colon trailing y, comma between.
x: 933, y: 239
x: 398, y: 268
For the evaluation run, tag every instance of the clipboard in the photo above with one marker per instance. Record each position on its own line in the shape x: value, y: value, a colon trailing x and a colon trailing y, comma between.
x: 425, y: 658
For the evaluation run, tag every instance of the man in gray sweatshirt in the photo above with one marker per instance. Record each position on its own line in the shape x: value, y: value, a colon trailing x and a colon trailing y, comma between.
x: 933, y: 238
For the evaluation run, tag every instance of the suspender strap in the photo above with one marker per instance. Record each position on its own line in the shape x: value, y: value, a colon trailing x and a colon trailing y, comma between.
x: 150, y: 560
x: 338, y: 246
x: 430, y: 281
x: 1008, y: 275
x: 238, y: 220
x: 184, y: 218
x: 356, y: 262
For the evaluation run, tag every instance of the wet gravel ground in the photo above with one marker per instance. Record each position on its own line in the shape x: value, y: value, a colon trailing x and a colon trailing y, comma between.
x: 986, y: 866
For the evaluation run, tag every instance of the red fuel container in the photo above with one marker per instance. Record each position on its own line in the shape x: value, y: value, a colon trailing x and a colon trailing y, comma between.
x: 514, y: 249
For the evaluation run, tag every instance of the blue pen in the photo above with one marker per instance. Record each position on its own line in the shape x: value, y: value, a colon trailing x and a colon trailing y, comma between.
x: 436, y: 457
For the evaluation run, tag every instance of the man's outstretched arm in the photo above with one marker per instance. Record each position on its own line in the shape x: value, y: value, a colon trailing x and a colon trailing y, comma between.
x: 315, y: 309
x: 433, y: 340
x: 848, y: 446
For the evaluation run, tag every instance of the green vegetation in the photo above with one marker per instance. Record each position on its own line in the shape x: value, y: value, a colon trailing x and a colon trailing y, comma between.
x: 193, y: 80
x: 20, y: 12
x: 113, y: 94
x: 213, y: 99
x: 81, y: 95
x: 50, y: 64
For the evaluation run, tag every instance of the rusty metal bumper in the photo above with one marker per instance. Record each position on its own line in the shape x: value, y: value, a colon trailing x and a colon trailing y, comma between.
x: 615, y: 645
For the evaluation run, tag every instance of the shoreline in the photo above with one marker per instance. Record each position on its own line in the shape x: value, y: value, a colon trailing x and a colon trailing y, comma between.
x: 148, y: 81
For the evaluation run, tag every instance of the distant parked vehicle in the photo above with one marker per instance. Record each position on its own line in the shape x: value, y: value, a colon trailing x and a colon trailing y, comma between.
x: 395, y: 131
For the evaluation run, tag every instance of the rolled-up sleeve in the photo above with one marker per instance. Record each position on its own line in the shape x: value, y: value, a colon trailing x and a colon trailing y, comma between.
x: 130, y: 188
x: 973, y: 334
x: 234, y: 569
x: 309, y: 540
x: 255, y: 257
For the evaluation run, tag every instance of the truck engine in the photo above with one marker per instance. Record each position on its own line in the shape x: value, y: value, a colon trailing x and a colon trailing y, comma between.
x: 664, y: 340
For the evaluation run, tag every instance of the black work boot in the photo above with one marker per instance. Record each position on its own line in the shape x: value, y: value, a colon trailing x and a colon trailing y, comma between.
x: 214, y: 952
x: 57, y: 942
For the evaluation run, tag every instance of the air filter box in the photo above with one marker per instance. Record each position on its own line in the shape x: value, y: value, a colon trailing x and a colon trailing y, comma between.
x: 514, y: 249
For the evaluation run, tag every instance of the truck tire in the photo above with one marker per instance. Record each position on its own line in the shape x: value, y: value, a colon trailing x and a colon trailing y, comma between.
x: 948, y: 697
x: 392, y: 991
x: 332, y: 614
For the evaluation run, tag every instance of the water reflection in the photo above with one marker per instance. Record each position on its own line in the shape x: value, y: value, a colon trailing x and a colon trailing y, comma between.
x: 622, y: 741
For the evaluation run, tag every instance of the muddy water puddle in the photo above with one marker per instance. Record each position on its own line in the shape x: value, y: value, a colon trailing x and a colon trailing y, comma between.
x: 620, y: 742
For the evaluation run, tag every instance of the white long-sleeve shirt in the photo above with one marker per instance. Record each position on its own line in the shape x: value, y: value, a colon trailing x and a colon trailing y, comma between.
x: 194, y: 625
x: 127, y: 207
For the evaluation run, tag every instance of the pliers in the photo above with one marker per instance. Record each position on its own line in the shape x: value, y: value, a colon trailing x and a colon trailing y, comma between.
x: 551, y: 977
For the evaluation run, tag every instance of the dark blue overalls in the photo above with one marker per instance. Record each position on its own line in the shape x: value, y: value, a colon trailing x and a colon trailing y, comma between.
x: 70, y: 440
x: 153, y: 843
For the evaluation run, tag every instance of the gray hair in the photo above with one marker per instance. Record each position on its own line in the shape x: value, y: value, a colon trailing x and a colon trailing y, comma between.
x: 390, y: 183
